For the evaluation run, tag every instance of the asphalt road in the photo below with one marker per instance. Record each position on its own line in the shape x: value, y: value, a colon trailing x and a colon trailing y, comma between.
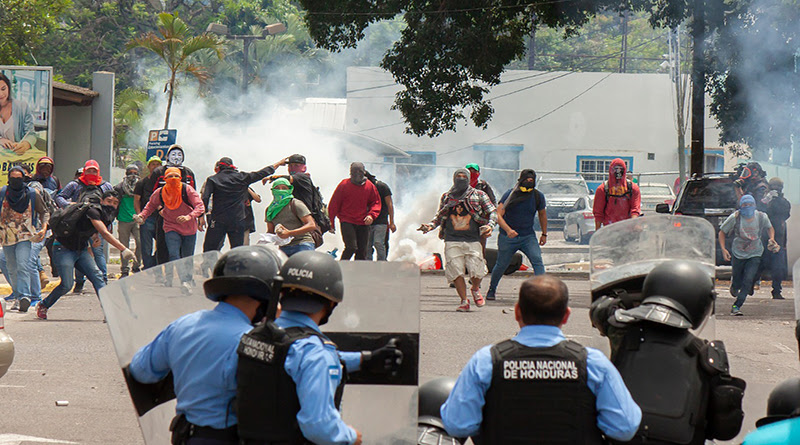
x: 70, y: 358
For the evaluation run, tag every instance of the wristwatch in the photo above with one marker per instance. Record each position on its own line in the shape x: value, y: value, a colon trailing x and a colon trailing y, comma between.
x: 544, y: 234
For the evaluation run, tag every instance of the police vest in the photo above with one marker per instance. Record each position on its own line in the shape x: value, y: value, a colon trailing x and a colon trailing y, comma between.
x: 266, y: 399
x: 539, y: 395
x: 660, y: 367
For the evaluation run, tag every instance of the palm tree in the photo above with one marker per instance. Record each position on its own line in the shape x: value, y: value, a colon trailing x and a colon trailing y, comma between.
x: 129, y: 106
x: 175, y: 47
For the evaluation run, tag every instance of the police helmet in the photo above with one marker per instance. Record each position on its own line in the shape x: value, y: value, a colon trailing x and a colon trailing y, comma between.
x: 245, y: 270
x: 432, y: 396
x: 681, y: 291
x: 317, y: 277
x: 783, y: 402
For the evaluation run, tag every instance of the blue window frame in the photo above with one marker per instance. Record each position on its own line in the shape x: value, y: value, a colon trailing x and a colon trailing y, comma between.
x: 595, y: 168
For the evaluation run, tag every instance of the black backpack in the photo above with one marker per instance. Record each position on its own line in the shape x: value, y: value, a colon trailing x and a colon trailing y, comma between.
x: 90, y: 193
x: 65, y: 224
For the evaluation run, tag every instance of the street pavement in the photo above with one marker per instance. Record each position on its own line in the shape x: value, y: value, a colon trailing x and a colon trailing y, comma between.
x: 70, y: 358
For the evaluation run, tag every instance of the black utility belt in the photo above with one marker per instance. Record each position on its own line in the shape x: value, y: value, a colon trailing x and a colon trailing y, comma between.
x: 229, y: 434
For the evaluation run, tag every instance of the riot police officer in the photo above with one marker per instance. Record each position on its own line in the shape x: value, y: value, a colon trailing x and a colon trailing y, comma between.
x: 682, y: 382
x: 782, y: 423
x: 430, y: 429
x: 290, y: 375
x: 199, y: 349
x: 578, y: 394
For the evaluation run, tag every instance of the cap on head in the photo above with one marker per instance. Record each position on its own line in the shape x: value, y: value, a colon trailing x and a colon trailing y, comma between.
x: 131, y: 168
x: 154, y: 158
x: 473, y: 166
x: 313, y: 274
x: 297, y: 159
x: 245, y: 270
x: 91, y: 163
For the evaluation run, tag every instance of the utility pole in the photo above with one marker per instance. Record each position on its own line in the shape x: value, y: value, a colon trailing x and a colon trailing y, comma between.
x: 698, y: 87
x: 678, y: 78
x: 247, y: 40
x: 532, y: 44
x: 623, y: 60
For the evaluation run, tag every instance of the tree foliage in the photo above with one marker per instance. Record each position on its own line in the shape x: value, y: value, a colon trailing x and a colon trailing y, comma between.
x: 24, y: 25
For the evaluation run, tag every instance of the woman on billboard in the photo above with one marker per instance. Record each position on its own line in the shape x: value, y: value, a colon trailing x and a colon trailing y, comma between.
x: 16, y: 120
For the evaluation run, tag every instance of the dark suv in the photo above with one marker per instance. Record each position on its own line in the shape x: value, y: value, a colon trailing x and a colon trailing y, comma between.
x: 711, y: 196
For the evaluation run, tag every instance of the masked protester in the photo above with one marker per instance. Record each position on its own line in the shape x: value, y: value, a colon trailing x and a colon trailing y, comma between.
x: 289, y: 217
x: 44, y: 175
x: 515, y: 214
x: 141, y: 196
x: 88, y: 187
x: 88, y: 221
x: 747, y: 226
x: 23, y: 222
x: 778, y: 209
x: 616, y: 199
x: 180, y: 206
x: 383, y: 224
x: 356, y: 203
x: 479, y: 184
x: 752, y: 181
x: 465, y: 215
x: 126, y: 226
x: 585, y: 396
x: 228, y: 189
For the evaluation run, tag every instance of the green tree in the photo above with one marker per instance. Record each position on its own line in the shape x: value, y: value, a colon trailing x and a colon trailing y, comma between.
x: 24, y: 25
x: 130, y: 105
x: 175, y: 47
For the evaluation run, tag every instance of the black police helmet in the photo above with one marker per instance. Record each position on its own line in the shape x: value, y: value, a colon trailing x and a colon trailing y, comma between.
x: 783, y: 402
x: 432, y: 396
x: 683, y: 287
x: 317, y: 276
x: 245, y: 270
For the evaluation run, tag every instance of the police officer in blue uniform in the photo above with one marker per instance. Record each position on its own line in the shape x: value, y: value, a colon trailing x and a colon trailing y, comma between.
x: 199, y: 349
x: 290, y: 375
x: 538, y: 386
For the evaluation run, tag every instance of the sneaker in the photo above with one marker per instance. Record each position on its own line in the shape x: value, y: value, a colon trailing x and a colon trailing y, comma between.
x: 10, y: 298
x: 78, y: 288
x: 43, y: 278
x: 186, y: 288
x: 490, y: 295
x: 736, y: 311
x: 24, y: 304
x: 41, y: 312
x: 476, y: 295
x: 464, y: 307
x: 15, y: 305
x: 777, y: 297
x: 123, y: 274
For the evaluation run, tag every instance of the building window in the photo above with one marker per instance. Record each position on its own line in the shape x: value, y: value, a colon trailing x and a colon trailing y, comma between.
x: 595, y: 168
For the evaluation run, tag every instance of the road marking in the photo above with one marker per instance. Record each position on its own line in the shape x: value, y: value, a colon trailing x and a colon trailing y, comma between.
x: 784, y: 348
x: 17, y: 439
x: 12, y: 386
x: 25, y: 370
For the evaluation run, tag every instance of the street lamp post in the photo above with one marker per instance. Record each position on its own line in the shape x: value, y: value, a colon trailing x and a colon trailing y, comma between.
x: 247, y: 39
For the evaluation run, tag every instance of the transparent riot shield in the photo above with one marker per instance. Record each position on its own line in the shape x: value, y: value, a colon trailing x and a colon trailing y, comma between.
x: 381, y: 301
x: 623, y: 253
x: 140, y: 306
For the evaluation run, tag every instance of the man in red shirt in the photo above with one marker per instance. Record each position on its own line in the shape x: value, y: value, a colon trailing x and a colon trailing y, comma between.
x: 616, y: 199
x: 356, y: 203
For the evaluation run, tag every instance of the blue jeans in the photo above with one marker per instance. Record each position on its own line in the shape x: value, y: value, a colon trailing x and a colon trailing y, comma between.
x: 20, y: 267
x: 291, y: 250
x: 179, y: 246
x: 36, y: 263
x: 377, y: 240
x: 743, y: 275
x: 507, y: 247
x: 147, y: 235
x: 99, y: 260
x: 67, y: 261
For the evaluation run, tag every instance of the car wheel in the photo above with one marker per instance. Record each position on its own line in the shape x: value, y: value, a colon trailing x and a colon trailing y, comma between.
x: 566, y: 237
x: 582, y: 239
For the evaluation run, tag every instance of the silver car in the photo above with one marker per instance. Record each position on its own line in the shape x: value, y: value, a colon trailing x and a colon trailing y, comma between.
x: 579, y: 223
x: 6, y: 342
x: 654, y: 193
x: 561, y: 194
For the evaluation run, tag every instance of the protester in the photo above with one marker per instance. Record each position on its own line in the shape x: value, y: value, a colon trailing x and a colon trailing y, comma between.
x: 44, y: 175
x: 479, y: 184
x: 464, y: 215
x: 23, y: 222
x: 752, y: 181
x: 126, y: 226
x: 38, y: 282
x: 249, y: 217
x: 141, y: 196
x: 70, y: 251
x: 356, y: 203
x: 617, y: 198
x: 585, y: 396
x: 515, y: 214
x: 228, y: 188
x: 287, y: 217
x: 778, y: 210
x: 384, y: 223
x: 180, y: 206
x: 746, y: 225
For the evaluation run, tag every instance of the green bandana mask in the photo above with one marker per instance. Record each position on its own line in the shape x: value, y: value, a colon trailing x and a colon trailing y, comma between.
x: 280, y: 198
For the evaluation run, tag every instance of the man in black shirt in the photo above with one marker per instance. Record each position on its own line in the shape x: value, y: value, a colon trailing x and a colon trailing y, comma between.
x: 70, y: 252
x: 141, y: 195
x: 379, y: 230
x: 228, y: 187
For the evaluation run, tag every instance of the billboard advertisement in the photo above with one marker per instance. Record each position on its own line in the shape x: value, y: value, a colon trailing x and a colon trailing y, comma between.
x: 26, y: 101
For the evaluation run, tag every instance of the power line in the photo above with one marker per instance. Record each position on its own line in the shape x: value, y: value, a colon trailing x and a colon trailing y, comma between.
x: 438, y: 11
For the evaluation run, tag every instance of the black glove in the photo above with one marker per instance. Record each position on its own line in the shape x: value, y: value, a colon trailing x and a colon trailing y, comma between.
x: 384, y: 360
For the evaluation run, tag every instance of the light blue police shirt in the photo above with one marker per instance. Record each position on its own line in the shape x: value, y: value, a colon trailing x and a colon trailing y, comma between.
x: 778, y: 433
x: 200, y: 349
x: 618, y: 416
x: 316, y: 370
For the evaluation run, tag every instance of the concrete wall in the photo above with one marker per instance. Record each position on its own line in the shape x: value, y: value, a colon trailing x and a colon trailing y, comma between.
x: 72, y: 139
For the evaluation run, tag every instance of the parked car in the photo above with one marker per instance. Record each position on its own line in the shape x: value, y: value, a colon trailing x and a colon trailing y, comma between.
x: 579, y: 223
x: 711, y: 197
x: 6, y: 342
x: 561, y: 194
x: 654, y: 193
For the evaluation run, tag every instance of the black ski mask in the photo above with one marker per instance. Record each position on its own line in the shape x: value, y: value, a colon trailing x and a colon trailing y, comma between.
x: 525, y: 186
x: 109, y: 212
x: 358, y: 173
x: 460, y: 184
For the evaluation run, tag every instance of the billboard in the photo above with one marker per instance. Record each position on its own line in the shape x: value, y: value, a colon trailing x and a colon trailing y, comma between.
x: 26, y: 103
x: 159, y: 141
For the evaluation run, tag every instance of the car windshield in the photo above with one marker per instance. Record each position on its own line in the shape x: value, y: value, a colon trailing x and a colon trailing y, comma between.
x: 654, y: 190
x: 562, y: 188
x: 707, y: 193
